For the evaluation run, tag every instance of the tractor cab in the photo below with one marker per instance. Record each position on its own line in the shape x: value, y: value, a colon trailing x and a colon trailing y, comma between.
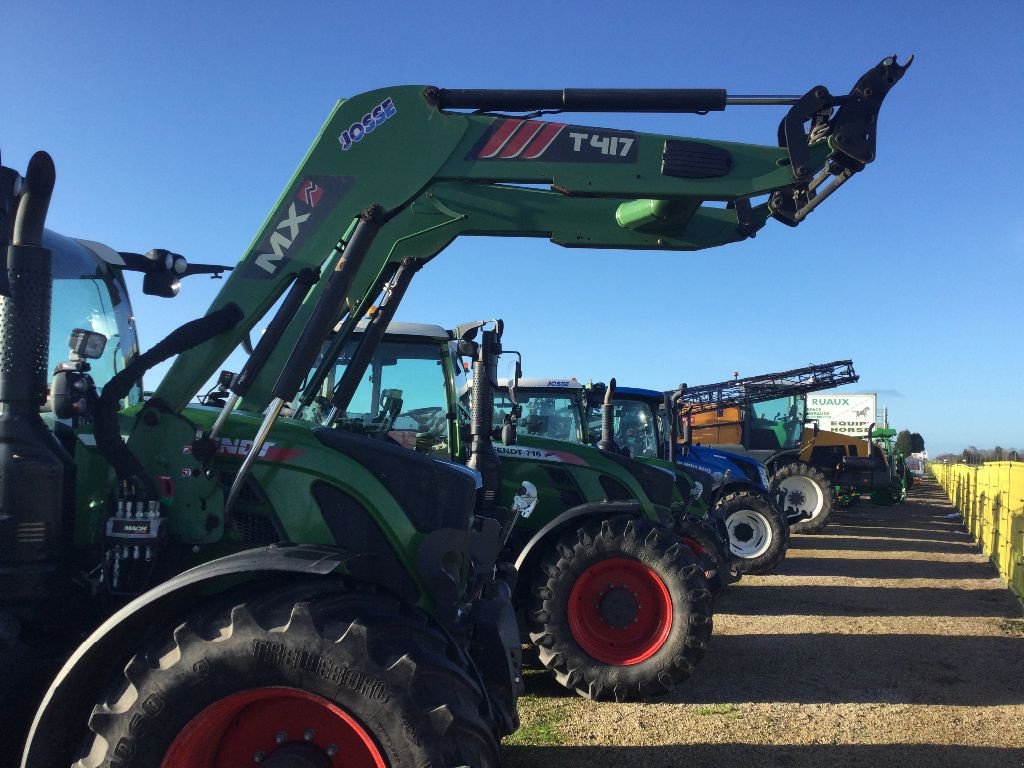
x: 403, y: 395
x: 777, y: 424
x: 548, y: 408
x: 90, y: 297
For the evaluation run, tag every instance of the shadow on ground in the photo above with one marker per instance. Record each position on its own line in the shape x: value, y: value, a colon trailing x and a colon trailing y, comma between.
x: 929, y: 664
x: 798, y: 600
x: 843, y: 542
x: 885, y: 568
x: 802, y: 669
x: 762, y: 756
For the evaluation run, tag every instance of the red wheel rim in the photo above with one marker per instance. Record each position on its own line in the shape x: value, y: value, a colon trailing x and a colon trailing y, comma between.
x: 247, y: 727
x: 620, y: 611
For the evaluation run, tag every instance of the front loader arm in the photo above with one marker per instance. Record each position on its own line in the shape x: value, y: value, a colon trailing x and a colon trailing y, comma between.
x: 448, y: 210
x: 402, y: 149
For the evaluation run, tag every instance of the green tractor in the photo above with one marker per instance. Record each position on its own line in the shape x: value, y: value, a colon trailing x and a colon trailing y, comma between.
x: 720, y: 508
x: 615, y: 605
x: 899, y: 478
x: 557, y: 409
x: 378, y: 628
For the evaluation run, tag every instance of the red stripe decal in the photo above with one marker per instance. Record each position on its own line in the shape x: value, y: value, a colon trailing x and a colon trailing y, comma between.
x: 542, y: 142
x: 498, y: 139
x: 523, y: 137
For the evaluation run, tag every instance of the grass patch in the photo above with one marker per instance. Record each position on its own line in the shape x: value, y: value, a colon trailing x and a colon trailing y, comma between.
x: 731, y: 711
x: 540, y: 724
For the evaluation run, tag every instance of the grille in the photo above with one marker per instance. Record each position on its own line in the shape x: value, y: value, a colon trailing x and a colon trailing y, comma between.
x: 32, y: 533
x: 254, y: 529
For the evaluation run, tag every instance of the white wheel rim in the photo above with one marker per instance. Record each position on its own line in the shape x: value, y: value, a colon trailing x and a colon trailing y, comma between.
x: 750, y: 535
x: 803, y: 494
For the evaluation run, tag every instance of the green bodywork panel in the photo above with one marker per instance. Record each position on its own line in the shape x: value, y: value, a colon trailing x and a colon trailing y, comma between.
x: 291, y: 461
x: 566, y: 476
x: 681, y: 500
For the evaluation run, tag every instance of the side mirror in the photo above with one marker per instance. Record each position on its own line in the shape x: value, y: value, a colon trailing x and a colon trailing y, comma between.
x: 163, y: 284
x: 163, y: 270
x: 508, y: 432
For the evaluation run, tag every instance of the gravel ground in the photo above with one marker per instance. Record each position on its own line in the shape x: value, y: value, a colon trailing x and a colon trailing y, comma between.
x: 887, y: 640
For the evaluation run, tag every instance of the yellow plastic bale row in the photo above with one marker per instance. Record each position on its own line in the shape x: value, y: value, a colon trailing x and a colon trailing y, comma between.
x: 991, y: 499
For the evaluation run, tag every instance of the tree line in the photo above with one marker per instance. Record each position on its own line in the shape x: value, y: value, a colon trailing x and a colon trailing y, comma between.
x: 908, y: 442
x: 973, y: 455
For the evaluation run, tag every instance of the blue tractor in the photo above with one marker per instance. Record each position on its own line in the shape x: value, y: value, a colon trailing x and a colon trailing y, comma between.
x: 734, y: 488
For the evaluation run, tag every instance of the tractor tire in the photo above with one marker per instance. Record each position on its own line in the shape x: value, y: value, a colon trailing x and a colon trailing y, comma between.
x: 710, y: 551
x: 806, y: 489
x: 291, y: 677
x: 758, y: 535
x: 620, y: 609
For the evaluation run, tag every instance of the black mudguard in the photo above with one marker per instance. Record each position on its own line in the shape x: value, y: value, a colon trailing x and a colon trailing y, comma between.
x: 603, y: 509
x: 53, y: 738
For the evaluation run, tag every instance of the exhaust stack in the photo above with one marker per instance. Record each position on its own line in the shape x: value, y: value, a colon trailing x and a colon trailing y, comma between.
x: 36, y: 473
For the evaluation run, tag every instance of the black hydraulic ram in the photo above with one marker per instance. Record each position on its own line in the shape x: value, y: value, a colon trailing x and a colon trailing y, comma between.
x: 317, y: 328
x: 322, y: 318
x: 368, y: 341
x: 868, y: 93
x: 240, y: 385
x: 661, y: 100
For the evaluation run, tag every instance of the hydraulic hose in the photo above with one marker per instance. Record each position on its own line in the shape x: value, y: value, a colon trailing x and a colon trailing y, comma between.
x: 106, y: 427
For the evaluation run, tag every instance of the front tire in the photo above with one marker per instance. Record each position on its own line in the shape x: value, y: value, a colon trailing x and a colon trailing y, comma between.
x: 806, y: 490
x: 620, y: 609
x: 711, y: 552
x: 758, y: 536
x: 294, y: 677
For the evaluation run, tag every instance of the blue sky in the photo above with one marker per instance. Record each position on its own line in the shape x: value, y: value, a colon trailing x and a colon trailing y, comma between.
x: 177, y: 125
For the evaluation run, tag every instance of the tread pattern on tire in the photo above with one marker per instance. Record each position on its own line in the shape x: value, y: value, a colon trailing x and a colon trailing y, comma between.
x: 366, y: 651
x: 661, y: 551
x: 712, y: 556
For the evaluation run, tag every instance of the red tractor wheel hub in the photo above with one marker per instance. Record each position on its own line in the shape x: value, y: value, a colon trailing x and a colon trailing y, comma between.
x: 620, y: 611
x: 273, y: 727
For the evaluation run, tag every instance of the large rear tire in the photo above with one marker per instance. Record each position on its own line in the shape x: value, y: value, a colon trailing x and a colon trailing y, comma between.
x: 294, y: 677
x: 806, y: 490
x: 758, y: 536
x: 620, y: 609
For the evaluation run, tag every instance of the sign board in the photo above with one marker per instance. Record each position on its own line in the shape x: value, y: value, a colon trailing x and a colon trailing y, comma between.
x: 843, y: 413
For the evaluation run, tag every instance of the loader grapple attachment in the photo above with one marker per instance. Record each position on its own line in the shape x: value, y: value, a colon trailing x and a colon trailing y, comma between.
x: 850, y: 134
x: 857, y: 119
